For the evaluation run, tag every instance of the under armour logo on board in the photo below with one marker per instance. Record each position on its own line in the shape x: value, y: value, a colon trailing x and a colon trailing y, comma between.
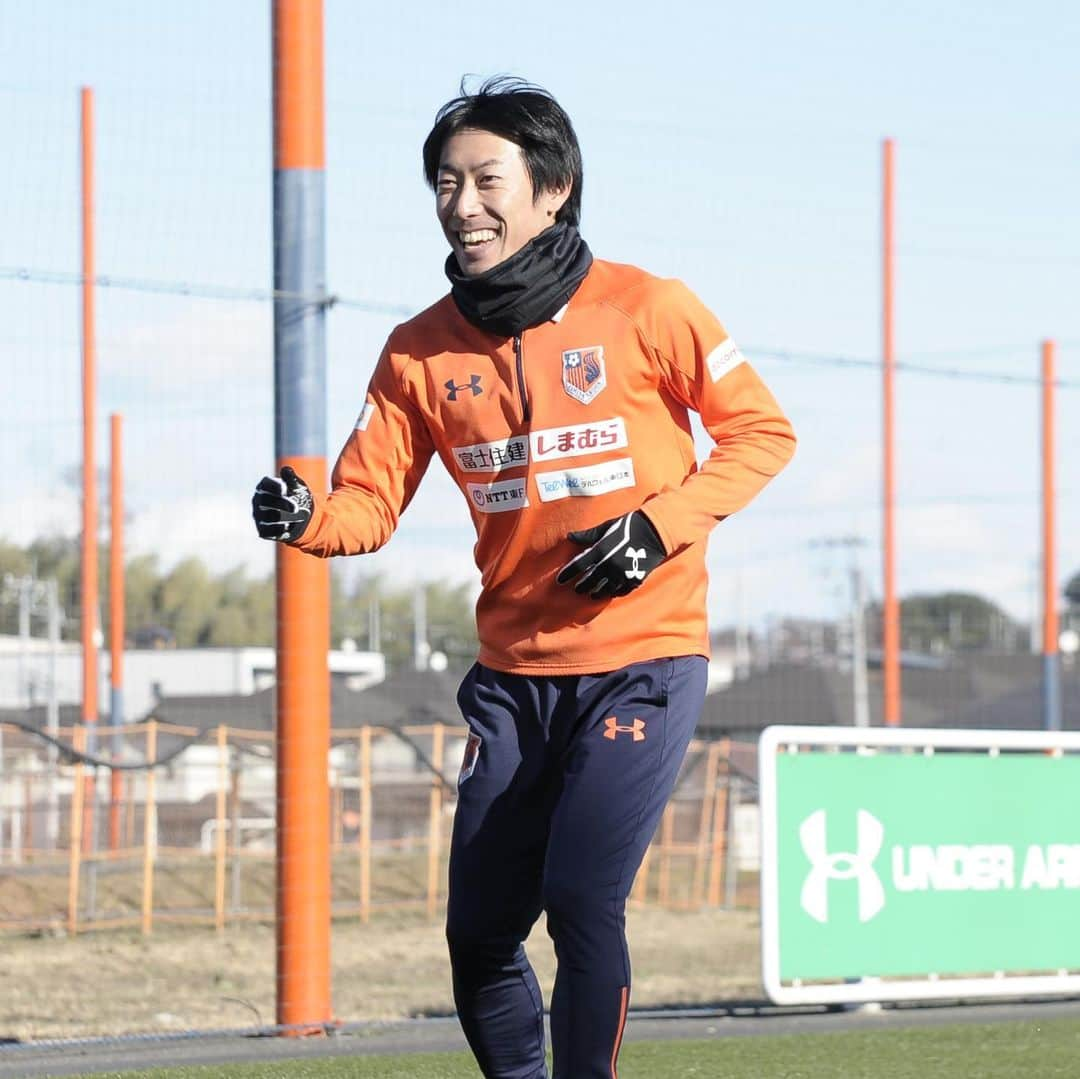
x: 841, y: 865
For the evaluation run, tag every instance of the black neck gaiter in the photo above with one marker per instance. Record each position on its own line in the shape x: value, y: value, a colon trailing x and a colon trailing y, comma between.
x: 528, y: 288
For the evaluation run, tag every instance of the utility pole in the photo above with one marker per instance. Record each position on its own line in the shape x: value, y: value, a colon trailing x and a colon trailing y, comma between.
x: 20, y: 589
x: 421, y: 648
x: 890, y: 607
x: 1051, y: 686
x: 36, y: 598
x: 374, y: 626
x: 52, y: 716
x: 743, y: 660
x: 860, y: 696
x: 26, y: 679
x: 859, y: 687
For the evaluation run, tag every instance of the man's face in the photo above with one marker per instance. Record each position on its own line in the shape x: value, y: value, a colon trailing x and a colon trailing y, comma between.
x: 484, y: 200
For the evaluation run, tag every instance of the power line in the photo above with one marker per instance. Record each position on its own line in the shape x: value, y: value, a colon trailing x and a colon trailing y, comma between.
x: 987, y: 256
x: 906, y: 366
x: 201, y: 290
x: 1024, y: 349
x: 869, y: 505
x: 376, y: 307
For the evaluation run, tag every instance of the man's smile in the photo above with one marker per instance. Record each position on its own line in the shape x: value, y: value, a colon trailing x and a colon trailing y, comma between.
x: 476, y: 237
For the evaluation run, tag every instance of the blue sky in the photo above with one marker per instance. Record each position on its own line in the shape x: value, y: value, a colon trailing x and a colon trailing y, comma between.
x: 735, y: 147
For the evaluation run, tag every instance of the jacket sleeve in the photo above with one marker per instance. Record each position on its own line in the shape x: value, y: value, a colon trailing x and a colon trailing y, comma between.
x: 376, y: 474
x: 702, y: 369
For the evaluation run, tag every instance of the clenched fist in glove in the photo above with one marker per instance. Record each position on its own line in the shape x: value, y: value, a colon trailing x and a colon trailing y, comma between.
x: 620, y: 554
x: 282, y: 507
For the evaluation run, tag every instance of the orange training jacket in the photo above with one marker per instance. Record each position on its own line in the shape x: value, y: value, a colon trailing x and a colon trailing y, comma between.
x: 580, y: 419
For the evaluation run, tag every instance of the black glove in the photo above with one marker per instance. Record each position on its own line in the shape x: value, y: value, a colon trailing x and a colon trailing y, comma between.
x: 621, y: 553
x: 282, y: 507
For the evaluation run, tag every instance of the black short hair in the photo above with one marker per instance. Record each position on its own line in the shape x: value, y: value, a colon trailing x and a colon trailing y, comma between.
x: 526, y: 115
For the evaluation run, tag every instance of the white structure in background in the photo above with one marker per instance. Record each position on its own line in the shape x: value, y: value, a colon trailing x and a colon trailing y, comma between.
x: 747, y: 829
x: 40, y: 672
x: 724, y: 668
x: 153, y: 672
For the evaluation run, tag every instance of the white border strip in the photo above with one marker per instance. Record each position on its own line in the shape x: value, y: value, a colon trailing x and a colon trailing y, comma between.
x: 1000, y: 985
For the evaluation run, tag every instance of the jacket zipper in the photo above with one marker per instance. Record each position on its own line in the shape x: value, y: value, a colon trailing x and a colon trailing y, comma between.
x: 519, y: 357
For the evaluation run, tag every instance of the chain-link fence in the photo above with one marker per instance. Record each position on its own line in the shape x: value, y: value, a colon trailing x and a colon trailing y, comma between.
x: 185, y: 831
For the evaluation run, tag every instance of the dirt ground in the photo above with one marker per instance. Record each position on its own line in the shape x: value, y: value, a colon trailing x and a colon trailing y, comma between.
x: 118, y: 982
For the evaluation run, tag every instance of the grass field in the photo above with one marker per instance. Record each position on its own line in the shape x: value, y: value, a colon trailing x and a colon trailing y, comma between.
x: 1042, y: 1050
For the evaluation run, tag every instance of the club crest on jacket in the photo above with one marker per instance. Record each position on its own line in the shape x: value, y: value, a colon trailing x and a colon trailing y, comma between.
x: 583, y: 375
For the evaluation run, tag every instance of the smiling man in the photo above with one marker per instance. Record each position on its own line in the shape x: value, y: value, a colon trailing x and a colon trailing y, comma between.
x: 485, y: 200
x: 556, y: 389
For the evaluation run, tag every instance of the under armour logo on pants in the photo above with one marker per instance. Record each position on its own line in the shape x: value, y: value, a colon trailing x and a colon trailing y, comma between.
x: 613, y: 728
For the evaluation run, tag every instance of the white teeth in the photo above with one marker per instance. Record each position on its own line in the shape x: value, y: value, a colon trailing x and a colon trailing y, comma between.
x: 477, y: 237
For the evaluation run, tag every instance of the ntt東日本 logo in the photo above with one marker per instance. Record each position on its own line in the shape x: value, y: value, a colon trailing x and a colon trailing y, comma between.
x: 583, y: 375
x: 842, y: 865
x: 498, y: 497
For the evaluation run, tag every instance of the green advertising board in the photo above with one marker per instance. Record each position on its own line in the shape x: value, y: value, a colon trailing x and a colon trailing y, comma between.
x: 903, y: 864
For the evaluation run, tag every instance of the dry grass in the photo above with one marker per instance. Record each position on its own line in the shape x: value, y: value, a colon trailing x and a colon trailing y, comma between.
x: 118, y: 982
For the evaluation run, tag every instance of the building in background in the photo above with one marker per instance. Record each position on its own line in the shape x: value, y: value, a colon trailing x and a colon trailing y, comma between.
x: 153, y: 673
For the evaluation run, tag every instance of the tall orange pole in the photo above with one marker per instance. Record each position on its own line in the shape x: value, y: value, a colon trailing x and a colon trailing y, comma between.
x: 303, y: 583
x: 1051, y: 664
x: 116, y: 619
x: 891, y: 609
x: 89, y: 599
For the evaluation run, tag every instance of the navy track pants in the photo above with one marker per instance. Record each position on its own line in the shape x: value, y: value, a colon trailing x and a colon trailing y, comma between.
x: 562, y: 787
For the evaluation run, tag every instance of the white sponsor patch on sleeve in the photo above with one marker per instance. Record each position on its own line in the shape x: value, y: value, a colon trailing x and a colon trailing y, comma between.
x: 500, y: 497
x: 578, y: 439
x: 725, y: 357
x: 365, y: 415
x: 586, y: 482
x: 493, y: 456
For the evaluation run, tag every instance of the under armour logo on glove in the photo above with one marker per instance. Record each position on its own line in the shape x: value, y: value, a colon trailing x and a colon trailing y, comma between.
x: 282, y: 507
x: 620, y: 554
x: 637, y: 556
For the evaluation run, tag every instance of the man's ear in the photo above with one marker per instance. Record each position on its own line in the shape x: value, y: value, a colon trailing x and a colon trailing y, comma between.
x: 554, y: 200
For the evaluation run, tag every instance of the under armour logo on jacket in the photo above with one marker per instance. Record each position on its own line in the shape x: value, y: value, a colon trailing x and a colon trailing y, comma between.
x: 613, y: 728
x: 857, y: 865
x: 452, y: 387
